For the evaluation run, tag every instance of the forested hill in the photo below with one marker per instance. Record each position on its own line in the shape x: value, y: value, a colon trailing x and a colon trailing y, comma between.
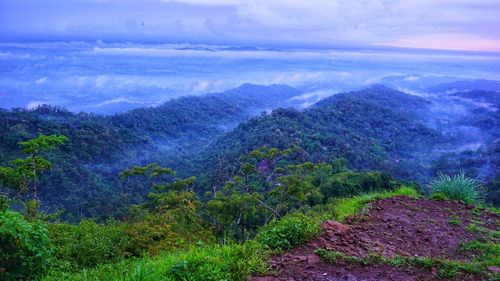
x: 84, y: 176
x: 206, y: 114
x: 382, y: 96
x: 373, y: 129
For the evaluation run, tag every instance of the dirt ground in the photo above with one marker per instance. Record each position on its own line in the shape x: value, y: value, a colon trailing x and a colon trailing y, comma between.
x: 395, y: 226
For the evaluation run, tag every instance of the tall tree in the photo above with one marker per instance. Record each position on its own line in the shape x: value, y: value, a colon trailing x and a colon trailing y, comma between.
x: 22, y: 173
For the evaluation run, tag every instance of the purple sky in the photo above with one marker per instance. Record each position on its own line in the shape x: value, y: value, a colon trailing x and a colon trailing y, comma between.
x: 438, y: 24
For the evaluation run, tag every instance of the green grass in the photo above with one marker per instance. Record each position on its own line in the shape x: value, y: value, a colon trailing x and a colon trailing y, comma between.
x: 455, y: 221
x: 212, y: 262
x: 345, y: 207
x: 446, y: 268
x: 457, y: 187
x: 476, y: 226
x: 289, y: 231
x: 232, y: 261
x: 488, y: 253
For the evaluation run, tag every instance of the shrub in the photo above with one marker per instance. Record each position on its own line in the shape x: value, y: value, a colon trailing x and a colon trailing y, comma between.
x: 88, y: 243
x: 291, y: 230
x: 351, y: 183
x: 203, y: 263
x: 457, y: 187
x: 166, y: 231
x: 25, y: 248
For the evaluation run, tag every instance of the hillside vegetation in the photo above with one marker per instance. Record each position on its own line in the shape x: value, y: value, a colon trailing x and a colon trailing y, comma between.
x: 198, y: 189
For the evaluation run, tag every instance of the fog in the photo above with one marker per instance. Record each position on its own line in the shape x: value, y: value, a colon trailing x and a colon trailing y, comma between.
x: 107, y: 78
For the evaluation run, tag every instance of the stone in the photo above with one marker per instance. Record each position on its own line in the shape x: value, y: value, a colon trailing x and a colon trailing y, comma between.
x: 313, y: 259
x: 494, y: 269
x: 335, y: 227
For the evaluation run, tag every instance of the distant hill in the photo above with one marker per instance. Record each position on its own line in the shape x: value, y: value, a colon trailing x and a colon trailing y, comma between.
x: 377, y: 128
x: 85, y: 171
x: 371, y: 128
x: 466, y: 85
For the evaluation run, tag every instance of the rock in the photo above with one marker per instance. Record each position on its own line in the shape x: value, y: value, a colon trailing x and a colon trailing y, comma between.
x: 335, y: 227
x: 313, y: 259
x: 350, y: 277
x: 494, y: 269
x: 313, y: 245
x: 267, y: 278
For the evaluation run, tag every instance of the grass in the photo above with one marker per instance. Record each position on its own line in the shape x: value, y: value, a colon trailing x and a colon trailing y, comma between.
x: 345, y: 207
x: 211, y: 262
x: 289, y: 231
x: 231, y: 261
x: 457, y: 187
x: 476, y: 226
x: 485, y: 254
x: 455, y: 221
x: 445, y: 268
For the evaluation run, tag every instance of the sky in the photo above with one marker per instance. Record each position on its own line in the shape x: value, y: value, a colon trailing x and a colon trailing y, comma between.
x: 436, y: 24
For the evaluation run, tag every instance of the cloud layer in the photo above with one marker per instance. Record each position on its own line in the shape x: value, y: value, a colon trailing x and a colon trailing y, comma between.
x: 447, y: 24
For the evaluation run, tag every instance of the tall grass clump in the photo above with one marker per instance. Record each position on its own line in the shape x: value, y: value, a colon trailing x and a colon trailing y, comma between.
x: 457, y: 187
x: 291, y: 230
x: 345, y: 207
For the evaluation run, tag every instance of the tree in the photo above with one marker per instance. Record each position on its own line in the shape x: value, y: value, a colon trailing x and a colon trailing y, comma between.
x: 22, y: 174
x: 168, y: 197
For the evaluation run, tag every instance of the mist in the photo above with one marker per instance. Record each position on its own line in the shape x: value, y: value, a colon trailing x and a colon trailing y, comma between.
x: 108, y: 78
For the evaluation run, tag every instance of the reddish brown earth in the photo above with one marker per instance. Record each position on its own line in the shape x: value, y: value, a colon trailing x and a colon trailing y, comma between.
x: 395, y: 226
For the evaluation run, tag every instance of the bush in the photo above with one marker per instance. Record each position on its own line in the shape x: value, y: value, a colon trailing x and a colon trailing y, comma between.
x: 291, y: 230
x: 88, y: 244
x: 166, y: 231
x: 351, y: 183
x: 203, y: 263
x: 457, y: 187
x: 25, y: 248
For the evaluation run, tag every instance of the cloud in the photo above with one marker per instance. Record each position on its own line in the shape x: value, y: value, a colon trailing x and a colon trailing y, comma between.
x: 409, y: 23
x: 34, y: 104
x: 161, y: 51
x: 42, y: 80
x: 116, y: 101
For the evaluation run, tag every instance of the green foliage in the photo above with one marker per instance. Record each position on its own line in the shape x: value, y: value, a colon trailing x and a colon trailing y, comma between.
x: 213, y: 262
x: 150, y: 171
x: 455, y: 220
x: 155, y: 233
x: 23, y: 173
x: 26, y: 251
x: 289, y: 231
x: 351, y: 183
x: 457, y: 187
x: 42, y: 143
x: 344, y: 207
x: 445, y: 268
x: 4, y: 202
x: 486, y: 252
x: 236, y: 215
x: 88, y: 244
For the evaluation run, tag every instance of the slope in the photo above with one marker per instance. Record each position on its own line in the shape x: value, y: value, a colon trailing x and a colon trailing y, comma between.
x: 365, y: 127
x: 398, y: 238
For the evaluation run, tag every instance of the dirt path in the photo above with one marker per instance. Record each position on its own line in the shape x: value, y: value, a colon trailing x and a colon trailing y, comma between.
x: 396, y: 226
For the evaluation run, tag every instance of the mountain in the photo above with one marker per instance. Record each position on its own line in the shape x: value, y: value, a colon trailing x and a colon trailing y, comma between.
x: 437, y: 85
x: 377, y: 128
x: 371, y: 128
x: 465, y: 86
x: 84, y: 176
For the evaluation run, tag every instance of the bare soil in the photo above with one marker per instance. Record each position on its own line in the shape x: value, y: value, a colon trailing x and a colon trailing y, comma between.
x: 395, y: 226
